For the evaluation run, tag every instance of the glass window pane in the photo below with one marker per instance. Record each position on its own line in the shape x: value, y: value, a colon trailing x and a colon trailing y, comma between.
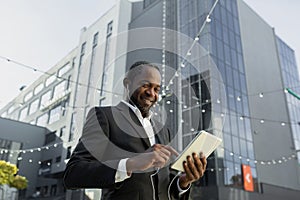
x: 229, y: 173
x: 50, y: 80
x: 38, y: 88
x: 55, y: 114
x: 43, y: 120
x: 28, y: 96
x: 34, y: 106
x: 64, y: 69
x: 45, y: 98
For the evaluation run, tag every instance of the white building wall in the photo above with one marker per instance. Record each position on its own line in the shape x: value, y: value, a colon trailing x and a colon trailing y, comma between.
x: 108, y: 59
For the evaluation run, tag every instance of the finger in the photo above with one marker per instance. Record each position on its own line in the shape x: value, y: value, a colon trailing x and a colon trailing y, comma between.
x: 203, y: 160
x: 160, y: 158
x: 164, y: 154
x: 171, y: 150
x: 156, y: 147
x: 198, y: 164
x: 189, y: 174
x: 193, y: 168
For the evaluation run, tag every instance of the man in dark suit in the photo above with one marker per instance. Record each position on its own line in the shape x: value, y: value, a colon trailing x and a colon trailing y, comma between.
x: 124, y: 151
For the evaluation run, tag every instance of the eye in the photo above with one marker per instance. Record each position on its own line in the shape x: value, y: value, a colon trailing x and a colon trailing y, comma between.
x: 146, y: 85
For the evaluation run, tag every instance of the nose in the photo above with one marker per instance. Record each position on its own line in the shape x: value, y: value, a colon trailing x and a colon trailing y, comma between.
x: 151, y: 92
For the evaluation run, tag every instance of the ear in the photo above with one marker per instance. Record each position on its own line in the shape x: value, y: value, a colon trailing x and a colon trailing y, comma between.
x: 126, y: 82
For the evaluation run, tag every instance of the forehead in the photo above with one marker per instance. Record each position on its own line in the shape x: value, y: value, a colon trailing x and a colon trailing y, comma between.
x: 148, y: 74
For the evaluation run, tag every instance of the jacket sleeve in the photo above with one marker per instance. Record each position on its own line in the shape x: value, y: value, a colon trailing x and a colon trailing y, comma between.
x: 88, y: 167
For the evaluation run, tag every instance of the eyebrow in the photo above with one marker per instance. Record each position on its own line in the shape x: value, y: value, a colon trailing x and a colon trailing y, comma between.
x: 145, y: 81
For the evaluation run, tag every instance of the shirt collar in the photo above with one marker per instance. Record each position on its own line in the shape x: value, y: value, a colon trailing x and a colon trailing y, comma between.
x: 137, y: 111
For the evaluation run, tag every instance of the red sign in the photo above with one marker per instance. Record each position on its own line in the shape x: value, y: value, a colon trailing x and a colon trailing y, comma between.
x: 247, y: 177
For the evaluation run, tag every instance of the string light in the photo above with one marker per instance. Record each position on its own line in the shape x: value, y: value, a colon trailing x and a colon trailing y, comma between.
x: 218, y: 101
x: 269, y: 162
x: 58, y: 77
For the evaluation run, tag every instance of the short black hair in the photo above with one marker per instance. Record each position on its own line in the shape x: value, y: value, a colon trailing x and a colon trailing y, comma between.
x: 135, y: 67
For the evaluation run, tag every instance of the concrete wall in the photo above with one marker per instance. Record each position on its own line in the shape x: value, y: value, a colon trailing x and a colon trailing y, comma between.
x: 262, y: 68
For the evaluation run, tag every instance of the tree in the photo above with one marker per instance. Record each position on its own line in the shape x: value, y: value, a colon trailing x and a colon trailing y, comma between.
x: 8, y: 176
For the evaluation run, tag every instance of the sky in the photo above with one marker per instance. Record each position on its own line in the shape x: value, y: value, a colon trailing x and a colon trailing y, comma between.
x: 40, y: 33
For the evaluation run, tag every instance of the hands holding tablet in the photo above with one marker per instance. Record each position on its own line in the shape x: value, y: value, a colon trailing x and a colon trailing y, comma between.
x: 194, y: 168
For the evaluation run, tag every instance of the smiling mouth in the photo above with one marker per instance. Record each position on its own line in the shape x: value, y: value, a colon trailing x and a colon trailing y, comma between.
x: 148, y: 101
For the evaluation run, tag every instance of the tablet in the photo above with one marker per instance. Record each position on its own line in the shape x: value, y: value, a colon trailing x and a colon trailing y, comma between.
x: 203, y: 142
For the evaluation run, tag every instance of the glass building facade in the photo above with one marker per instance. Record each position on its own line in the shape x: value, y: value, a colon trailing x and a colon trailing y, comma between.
x: 221, y: 39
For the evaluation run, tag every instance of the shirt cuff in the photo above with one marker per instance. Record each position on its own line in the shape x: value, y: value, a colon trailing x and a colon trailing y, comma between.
x: 181, y: 191
x: 121, y: 173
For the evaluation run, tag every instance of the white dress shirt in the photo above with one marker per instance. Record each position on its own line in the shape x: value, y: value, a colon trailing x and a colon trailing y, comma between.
x: 121, y: 173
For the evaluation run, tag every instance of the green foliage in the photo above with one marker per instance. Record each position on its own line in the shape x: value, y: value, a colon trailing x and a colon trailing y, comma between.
x: 8, y: 176
x: 19, y: 182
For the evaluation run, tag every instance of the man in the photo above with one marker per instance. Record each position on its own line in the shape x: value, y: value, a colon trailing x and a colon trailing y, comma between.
x: 125, y: 152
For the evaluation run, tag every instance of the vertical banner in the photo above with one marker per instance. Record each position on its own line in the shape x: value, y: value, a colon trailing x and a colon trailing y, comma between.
x: 247, y: 178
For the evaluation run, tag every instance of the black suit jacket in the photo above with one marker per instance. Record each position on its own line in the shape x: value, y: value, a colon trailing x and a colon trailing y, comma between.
x: 109, y: 135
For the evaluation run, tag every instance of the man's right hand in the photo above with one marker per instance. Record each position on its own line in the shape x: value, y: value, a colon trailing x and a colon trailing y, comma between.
x: 156, y: 156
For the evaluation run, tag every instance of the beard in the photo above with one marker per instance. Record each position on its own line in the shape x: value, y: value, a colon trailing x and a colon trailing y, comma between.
x: 144, y: 109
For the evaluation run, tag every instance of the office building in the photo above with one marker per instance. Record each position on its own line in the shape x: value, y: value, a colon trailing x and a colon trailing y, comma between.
x: 224, y: 70
x: 61, y: 97
x: 242, y: 57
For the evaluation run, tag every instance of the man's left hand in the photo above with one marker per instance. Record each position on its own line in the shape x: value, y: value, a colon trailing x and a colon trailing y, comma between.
x: 194, y: 169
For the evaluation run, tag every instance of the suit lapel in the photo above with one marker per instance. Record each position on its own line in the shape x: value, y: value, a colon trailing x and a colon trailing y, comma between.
x: 129, y: 116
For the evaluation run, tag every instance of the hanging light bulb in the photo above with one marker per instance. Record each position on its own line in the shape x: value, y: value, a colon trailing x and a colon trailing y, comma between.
x: 208, y: 20
x: 261, y: 95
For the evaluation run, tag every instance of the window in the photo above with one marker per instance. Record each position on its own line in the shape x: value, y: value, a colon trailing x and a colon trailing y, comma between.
x: 69, y: 82
x: 45, y: 168
x: 50, y: 80
x: 11, y: 109
x: 45, y: 98
x: 43, y: 120
x: 38, y: 88
x: 55, y: 114
x: 62, y: 131
x: 73, y: 128
x: 95, y: 39
x: 83, y: 46
x: 4, y: 114
x: 109, y: 28
x: 59, y: 89
x: 64, y: 69
x: 45, y: 190
x: 23, y: 113
x: 58, y: 159
x: 53, y: 190
x: 28, y: 96
x: 68, y: 152
x: 34, y: 106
